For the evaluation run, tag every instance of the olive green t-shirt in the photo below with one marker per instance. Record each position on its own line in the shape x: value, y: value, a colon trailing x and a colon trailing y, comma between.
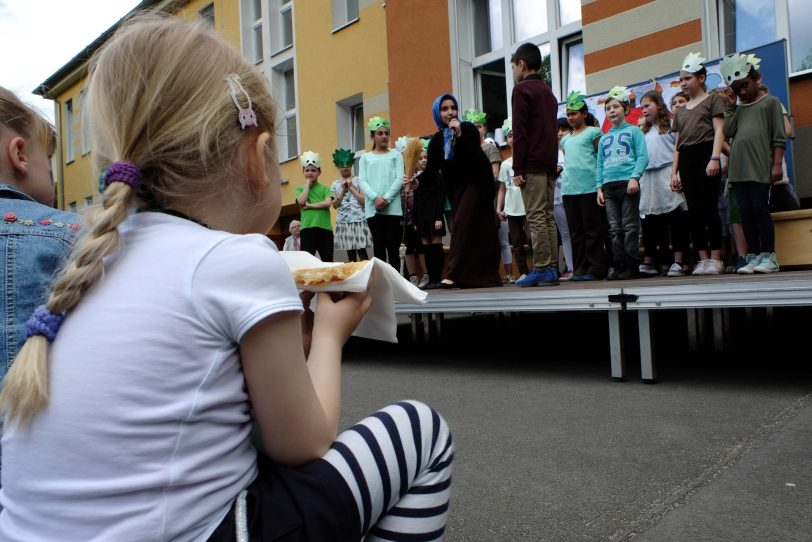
x: 754, y: 130
x: 316, y: 218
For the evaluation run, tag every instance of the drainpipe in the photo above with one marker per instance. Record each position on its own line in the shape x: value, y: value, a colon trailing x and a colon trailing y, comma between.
x: 59, y: 152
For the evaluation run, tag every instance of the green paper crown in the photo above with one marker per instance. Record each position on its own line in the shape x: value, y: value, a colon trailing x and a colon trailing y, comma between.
x: 576, y: 100
x: 506, y: 127
x: 376, y: 122
x: 425, y: 144
x: 475, y: 115
x: 343, y: 158
x: 618, y: 93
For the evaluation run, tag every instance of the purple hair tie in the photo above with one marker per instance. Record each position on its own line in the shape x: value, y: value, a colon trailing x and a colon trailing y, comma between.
x: 123, y: 172
x: 43, y: 322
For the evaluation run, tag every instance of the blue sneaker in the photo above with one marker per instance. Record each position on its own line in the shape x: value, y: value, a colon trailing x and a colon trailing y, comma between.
x: 584, y: 278
x: 547, y: 277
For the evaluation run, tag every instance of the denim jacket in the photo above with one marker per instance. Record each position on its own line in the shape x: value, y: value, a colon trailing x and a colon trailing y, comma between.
x: 34, y: 240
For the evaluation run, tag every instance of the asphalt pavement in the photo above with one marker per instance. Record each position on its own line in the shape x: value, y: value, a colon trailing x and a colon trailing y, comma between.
x: 549, y: 447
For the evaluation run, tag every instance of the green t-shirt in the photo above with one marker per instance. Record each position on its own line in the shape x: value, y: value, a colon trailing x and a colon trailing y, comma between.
x: 579, y: 162
x: 316, y: 218
x: 754, y: 130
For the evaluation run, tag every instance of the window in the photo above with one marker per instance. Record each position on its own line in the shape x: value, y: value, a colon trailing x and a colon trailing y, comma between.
x: 286, y: 25
x: 84, y: 120
x: 284, y: 82
x: 482, y: 69
x: 350, y: 125
x: 358, y: 128
x: 88, y: 201
x: 207, y: 14
x: 69, y: 151
x: 745, y: 24
x: 72, y: 206
x: 344, y: 12
x: 256, y: 50
x: 800, y: 38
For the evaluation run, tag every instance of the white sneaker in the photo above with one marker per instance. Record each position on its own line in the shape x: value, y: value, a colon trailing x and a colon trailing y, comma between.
x: 749, y: 267
x: 413, y: 279
x: 714, y: 267
x: 675, y: 270
x: 701, y: 267
x: 423, y: 281
x: 768, y: 263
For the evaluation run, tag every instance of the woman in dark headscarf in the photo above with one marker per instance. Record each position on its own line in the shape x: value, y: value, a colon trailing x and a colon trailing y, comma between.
x: 473, y: 260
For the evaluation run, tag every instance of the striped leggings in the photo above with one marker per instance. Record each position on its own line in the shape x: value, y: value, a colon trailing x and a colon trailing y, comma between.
x: 397, y: 464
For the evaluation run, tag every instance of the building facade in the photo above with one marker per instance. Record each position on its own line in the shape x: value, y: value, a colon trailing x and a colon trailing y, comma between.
x: 335, y: 63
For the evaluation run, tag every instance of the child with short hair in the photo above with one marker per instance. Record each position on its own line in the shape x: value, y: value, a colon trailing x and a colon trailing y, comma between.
x: 579, y: 193
x: 510, y: 207
x: 662, y: 210
x: 35, y: 238
x: 314, y: 200
x: 352, y: 233
x: 696, y: 169
x: 535, y: 157
x: 129, y: 409
x: 755, y: 127
x: 622, y: 159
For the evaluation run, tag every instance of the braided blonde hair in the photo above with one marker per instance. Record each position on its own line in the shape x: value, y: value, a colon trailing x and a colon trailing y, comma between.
x: 157, y: 97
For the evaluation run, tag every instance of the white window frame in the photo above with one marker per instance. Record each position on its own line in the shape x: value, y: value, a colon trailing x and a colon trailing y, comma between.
x: 284, y: 7
x: 341, y: 14
x: 564, y: 45
x: 284, y: 110
x: 70, y: 155
x: 465, y: 64
x: 84, y: 122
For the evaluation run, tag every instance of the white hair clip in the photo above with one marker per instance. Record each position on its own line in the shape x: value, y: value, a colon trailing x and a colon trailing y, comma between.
x: 246, y: 115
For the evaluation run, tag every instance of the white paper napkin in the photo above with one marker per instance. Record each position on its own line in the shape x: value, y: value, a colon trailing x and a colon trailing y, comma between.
x: 389, y: 286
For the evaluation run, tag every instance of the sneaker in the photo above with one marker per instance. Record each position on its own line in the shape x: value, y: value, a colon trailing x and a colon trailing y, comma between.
x: 768, y: 263
x: 675, y: 270
x: 566, y: 276
x: 700, y: 268
x: 714, y: 267
x: 521, y: 277
x: 614, y: 273
x: 741, y: 261
x: 547, y: 277
x: 423, y: 281
x: 648, y: 270
x: 509, y: 279
x: 584, y: 278
x: 413, y: 279
x: 750, y: 263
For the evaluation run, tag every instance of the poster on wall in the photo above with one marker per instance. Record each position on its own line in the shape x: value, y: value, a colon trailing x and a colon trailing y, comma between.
x: 773, y: 71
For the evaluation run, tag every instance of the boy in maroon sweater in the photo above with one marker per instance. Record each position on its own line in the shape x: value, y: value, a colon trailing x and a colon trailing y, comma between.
x: 535, y: 156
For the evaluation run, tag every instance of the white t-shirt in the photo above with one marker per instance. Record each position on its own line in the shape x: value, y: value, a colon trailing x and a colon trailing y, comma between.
x: 146, y: 435
x: 514, y: 205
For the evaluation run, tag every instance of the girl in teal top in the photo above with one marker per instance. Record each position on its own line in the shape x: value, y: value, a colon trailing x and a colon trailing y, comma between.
x: 381, y: 176
x: 584, y: 215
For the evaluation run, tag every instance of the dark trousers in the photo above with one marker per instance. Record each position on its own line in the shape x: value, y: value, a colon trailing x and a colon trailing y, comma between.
x: 702, y: 196
x: 519, y: 236
x: 318, y: 240
x: 757, y: 223
x: 623, y: 213
x: 665, y: 234
x: 387, y: 234
x: 585, y: 220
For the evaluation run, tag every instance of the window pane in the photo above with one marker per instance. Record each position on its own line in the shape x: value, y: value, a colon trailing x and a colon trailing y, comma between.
x: 487, y: 26
x: 546, y: 70
x: 207, y: 14
x: 575, y: 77
x: 257, y: 9
x: 352, y: 10
x: 530, y: 17
x: 800, y: 38
x: 290, y: 135
x: 492, y: 84
x: 290, y: 90
x: 569, y: 11
x: 358, y: 141
x: 258, y: 54
x: 287, y: 28
x: 748, y: 23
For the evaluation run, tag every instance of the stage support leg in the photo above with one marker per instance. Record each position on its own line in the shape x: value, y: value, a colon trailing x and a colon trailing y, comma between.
x: 693, y: 338
x: 718, y: 330
x: 647, y: 369
x: 616, y: 346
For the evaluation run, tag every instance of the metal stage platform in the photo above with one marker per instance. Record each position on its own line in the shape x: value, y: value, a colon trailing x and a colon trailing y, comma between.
x: 691, y: 294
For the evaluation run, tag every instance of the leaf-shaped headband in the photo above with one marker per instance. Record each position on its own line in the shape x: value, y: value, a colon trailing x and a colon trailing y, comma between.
x: 618, y: 93
x: 576, y: 100
x: 376, y: 122
x: 736, y: 66
x: 693, y: 63
x: 506, y: 127
x: 475, y: 115
x: 343, y: 158
x: 310, y: 158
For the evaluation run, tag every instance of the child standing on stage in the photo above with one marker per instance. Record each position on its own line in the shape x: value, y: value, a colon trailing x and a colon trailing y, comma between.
x: 510, y: 207
x: 559, y: 213
x: 352, y: 233
x: 755, y: 128
x: 622, y: 159
x: 696, y: 169
x: 412, y: 150
x: 314, y: 200
x: 579, y: 192
x: 664, y: 220
x: 132, y: 421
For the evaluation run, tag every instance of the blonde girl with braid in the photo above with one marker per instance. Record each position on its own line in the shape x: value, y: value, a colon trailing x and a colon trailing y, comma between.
x: 175, y: 328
